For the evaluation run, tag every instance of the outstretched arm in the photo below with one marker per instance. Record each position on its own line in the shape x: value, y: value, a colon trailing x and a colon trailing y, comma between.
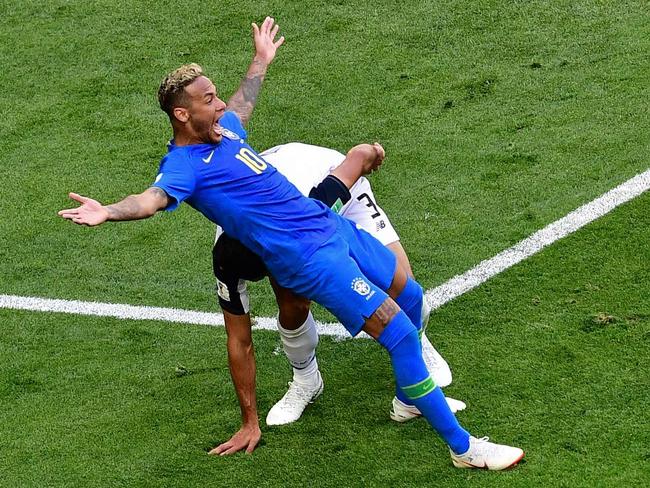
x: 244, y: 99
x: 241, y: 360
x: 133, y: 207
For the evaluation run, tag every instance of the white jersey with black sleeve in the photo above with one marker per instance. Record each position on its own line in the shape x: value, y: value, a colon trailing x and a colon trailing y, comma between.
x: 306, y: 166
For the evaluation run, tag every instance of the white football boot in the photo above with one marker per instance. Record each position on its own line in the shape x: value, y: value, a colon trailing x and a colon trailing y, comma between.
x: 436, y: 364
x: 293, y: 403
x: 483, y: 454
x: 401, y: 412
x: 438, y: 369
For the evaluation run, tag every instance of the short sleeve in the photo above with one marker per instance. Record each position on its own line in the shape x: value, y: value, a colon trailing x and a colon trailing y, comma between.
x: 230, y: 121
x: 177, y: 179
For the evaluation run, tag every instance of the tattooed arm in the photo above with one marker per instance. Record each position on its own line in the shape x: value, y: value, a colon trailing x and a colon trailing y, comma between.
x: 133, y: 207
x: 243, y: 101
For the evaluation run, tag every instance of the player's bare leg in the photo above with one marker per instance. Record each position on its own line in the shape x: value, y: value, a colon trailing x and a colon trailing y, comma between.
x: 297, y: 330
x: 402, y: 259
x: 299, y: 338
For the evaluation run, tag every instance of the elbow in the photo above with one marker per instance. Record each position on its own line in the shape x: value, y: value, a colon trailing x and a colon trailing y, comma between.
x: 150, y: 212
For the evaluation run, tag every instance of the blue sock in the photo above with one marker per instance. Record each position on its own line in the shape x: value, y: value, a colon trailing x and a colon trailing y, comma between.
x: 410, y: 301
x: 401, y: 340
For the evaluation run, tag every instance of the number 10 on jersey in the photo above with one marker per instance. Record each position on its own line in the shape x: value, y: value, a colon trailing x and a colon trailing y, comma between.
x: 252, y: 160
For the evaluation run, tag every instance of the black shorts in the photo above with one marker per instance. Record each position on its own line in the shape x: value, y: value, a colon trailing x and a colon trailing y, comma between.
x: 234, y: 264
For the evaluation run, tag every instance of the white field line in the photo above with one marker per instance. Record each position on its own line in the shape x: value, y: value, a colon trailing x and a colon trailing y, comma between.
x: 580, y: 217
x: 436, y: 297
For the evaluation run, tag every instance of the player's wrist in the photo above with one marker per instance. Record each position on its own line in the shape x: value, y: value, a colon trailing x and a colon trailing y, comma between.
x: 111, y: 213
x: 105, y: 213
x: 261, y: 61
x: 250, y: 423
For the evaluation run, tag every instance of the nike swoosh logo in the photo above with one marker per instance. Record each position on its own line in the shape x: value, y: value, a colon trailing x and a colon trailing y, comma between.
x: 209, y: 158
x: 470, y: 463
x: 476, y: 464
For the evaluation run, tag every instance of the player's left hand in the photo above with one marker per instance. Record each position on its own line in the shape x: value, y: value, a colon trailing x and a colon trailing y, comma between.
x: 245, y: 438
x: 264, y: 39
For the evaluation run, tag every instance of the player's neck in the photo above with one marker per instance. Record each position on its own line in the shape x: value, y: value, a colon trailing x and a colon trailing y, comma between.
x: 185, y: 139
x: 184, y: 135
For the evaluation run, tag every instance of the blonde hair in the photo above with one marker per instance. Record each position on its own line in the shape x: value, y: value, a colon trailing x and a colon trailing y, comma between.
x: 172, y: 88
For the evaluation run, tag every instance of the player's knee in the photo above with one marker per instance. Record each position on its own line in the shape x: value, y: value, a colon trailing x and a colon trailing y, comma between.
x: 398, y: 283
x: 386, y: 311
x: 377, y: 322
x: 393, y: 334
x: 293, y: 311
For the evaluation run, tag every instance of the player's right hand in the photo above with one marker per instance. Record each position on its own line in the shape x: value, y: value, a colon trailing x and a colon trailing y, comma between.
x: 248, y: 437
x: 381, y: 154
x: 90, y: 213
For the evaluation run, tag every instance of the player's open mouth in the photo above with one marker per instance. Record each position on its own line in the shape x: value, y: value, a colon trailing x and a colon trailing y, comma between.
x: 217, y: 128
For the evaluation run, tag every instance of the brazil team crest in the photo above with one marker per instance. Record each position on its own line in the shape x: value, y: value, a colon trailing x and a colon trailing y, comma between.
x: 229, y: 134
x: 362, y: 288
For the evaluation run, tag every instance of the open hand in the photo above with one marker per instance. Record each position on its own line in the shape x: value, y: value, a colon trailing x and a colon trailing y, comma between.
x: 264, y: 39
x: 90, y: 213
x: 245, y: 438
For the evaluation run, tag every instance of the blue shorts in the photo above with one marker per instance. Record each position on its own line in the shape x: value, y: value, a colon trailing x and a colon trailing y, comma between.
x: 349, y: 275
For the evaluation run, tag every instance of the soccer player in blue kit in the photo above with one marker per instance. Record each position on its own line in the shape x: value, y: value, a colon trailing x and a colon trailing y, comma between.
x: 306, y: 247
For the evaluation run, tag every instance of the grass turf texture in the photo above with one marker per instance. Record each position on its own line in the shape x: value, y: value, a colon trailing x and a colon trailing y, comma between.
x: 549, y: 360
x: 497, y: 119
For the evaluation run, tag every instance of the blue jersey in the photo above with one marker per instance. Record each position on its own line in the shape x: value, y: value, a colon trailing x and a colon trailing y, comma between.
x: 234, y: 187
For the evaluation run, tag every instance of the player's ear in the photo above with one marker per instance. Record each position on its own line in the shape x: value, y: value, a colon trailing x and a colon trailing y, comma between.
x: 182, y: 114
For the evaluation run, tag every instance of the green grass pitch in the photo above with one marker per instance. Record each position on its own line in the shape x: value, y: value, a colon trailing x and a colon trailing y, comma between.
x: 497, y: 117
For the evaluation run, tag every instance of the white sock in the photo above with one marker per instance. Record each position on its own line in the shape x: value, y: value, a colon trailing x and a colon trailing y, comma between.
x: 300, y: 348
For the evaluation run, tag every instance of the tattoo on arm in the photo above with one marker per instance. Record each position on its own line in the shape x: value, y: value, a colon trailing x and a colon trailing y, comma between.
x: 251, y: 88
x: 244, y: 100
x: 127, y: 209
x: 160, y: 193
x: 132, y: 208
